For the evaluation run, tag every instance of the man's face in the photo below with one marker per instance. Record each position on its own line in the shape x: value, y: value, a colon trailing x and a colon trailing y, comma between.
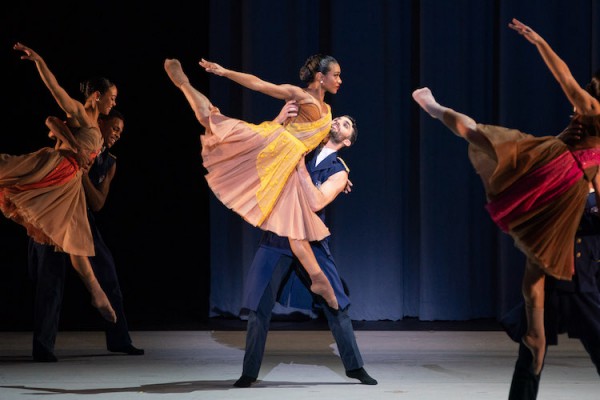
x: 111, y: 130
x: 341, y: 129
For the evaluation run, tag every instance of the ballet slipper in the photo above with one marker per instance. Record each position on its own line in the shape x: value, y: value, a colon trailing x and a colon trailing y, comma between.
x: 175, y: 72
x: 425, y: 99
x: 321, y: 286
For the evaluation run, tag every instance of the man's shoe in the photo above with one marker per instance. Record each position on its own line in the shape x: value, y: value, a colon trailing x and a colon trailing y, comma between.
x: 44, y: 356
x: 129, y: 350
x: 361, y: 375
x: 244, y: 381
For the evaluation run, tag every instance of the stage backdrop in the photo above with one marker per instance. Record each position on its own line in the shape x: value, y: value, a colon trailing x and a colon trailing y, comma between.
x: 412, y: 239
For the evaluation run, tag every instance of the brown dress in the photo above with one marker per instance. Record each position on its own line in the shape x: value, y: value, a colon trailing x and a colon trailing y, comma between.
x: 42, y: 191
x: 536, y: 189
x: 252, y: 169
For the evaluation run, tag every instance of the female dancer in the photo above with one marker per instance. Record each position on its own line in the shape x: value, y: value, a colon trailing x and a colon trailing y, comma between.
x: 43, y: 192
x: 536, y: 186
x: 252, y: 168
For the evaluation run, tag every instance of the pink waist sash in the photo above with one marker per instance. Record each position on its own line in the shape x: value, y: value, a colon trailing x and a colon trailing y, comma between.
x: 535, y: 189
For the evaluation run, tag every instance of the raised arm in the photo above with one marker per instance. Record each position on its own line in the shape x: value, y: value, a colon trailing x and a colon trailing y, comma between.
x: 283, y: 91
x: 73, y: 108
x: 319, y: 197
x: 584, y: 103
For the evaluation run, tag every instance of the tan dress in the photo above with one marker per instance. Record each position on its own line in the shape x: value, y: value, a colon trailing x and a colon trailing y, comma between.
x: 252, y: 169
x: 43, y: 192
x: 537, y: 188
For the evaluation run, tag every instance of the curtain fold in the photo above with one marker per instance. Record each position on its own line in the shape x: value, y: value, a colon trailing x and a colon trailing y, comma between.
x: 413, y: 238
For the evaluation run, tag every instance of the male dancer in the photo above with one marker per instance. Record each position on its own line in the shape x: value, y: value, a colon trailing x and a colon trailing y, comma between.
x: 324, y: 177
x: 47, y: 267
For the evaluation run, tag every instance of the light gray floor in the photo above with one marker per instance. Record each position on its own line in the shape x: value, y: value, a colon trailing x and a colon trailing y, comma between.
x: 298, y: 365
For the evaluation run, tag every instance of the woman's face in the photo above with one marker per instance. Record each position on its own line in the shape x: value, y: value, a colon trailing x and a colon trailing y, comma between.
x: 332, y: 80
x: 108, y: 100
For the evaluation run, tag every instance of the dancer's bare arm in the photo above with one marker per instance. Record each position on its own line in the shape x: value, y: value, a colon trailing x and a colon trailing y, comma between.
x: 584, y: 103
x: 73, y: 108
x: 96, y: 196
x: 66, y: 141
x: 284, y: 91
x: 62, y: 132
x: 319, y: 197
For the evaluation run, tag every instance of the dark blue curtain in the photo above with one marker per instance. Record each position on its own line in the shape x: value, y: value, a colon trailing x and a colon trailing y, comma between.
x: 413, y: 238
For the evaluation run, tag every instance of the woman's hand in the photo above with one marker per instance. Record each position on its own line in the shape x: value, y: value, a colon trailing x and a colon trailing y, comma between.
x: 212, y: 67
x: 28, y: 53
x: 524, y: 30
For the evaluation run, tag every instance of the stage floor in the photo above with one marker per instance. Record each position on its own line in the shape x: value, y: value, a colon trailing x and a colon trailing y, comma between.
x: 302, y: 364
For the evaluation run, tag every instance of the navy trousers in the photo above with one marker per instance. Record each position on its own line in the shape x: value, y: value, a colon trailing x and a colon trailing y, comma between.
x: 47, y: 268
x: 339, y: 322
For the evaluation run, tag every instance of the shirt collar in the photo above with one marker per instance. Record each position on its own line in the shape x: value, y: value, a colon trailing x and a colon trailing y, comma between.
x: 323, y: 154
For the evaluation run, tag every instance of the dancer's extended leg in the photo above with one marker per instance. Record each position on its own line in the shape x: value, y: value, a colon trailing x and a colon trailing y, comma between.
x: 319, y: 283
x: 99, y: 300
x: 533, y: 292
x: 199, y: 102
x: 533, y: 279
x: 462, y: 125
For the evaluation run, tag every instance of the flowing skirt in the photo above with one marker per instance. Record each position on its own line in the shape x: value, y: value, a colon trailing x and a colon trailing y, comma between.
x: 536, y: 190
x: 42, y: 191
x: 252, y: 170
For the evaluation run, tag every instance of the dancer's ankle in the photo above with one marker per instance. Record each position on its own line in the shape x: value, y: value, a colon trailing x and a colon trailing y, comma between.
x: 537, y: 346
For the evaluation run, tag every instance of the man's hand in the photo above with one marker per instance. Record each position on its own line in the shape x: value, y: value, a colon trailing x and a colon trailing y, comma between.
x: 82, y: 160
x: 348, y: 187
x: 572, y: 134
x: 289, y: 110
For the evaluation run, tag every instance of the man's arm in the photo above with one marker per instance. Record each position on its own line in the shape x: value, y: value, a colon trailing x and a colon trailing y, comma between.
x: 319, y: 197
x: 96, y: 196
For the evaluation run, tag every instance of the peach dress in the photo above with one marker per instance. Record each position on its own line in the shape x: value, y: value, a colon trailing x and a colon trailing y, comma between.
x: 252, y: 169
x: 537, y: 189
x: 42, y: 191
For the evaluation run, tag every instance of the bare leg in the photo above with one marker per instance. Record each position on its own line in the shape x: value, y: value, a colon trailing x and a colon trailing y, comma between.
x: 99, y: 300
x: 199, y: 102
x: 319, y: 283
x: 462, y: 125
x: 533, y: 292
